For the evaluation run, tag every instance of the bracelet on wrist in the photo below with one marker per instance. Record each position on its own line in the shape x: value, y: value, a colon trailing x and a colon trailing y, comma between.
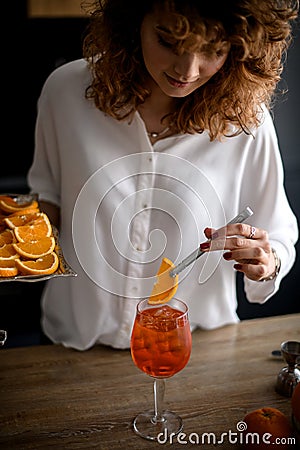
x: 276, y: 270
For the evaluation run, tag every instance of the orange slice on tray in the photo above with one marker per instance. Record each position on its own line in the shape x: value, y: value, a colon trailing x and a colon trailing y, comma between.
x: 42, y: 266
x: 4, y: 199
x: 35, y: 249
x: 38, y: 229
x: 10, y: 205
x: 2, y: 223
x: 8, y: 268
x: 19, y: 220
x: 166, y: 286
x: 7, y: 237
x: 25, y: 211
x: 7, y: 251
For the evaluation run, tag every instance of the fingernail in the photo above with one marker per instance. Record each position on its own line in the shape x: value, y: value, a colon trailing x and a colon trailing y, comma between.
x: 227, y: 255
x: 205, y: 245
x: 207, y: 232
x: 237, y: 266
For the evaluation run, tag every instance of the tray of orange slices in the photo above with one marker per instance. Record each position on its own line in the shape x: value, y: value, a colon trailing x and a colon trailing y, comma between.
x: 29, y: 243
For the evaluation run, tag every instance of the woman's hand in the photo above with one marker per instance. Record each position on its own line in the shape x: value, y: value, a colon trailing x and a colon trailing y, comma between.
x: 247, y: 245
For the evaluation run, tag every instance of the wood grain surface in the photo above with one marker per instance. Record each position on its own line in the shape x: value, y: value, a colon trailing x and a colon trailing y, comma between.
x: 58, y: 398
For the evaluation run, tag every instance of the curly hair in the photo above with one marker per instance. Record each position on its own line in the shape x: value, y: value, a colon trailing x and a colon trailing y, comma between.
x: 259, y: 33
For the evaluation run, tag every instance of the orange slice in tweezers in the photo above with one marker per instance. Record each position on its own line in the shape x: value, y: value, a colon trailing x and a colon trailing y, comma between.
x: 166, y: 285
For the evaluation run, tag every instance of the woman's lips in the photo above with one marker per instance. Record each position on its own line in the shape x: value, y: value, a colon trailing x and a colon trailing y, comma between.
x: 176, y: 83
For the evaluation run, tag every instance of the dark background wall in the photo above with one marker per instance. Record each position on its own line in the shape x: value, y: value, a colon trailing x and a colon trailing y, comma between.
x: 287, y: 122
x: 47, y: 43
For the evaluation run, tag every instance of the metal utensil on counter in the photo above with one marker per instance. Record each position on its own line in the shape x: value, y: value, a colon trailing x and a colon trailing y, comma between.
x: 289, y: 376
x: 3, y: 337
x: 277, y: 354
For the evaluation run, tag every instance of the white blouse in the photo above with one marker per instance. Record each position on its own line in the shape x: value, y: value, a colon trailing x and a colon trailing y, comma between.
x: 126, y: 204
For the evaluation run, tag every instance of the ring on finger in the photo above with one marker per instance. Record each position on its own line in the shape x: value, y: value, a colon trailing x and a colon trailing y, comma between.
x: 252, y: 232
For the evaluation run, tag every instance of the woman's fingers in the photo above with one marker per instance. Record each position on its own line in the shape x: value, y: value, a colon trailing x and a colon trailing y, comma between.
x: 245, y: 244
x: 254, y: 272
x: 232, y: 237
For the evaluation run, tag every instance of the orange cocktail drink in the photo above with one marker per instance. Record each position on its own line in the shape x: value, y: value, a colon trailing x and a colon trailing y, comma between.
x: 161, y: 340
x: 161, y: 344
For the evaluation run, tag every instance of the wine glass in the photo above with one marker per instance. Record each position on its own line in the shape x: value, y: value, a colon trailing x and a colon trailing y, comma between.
x: 161, y: 344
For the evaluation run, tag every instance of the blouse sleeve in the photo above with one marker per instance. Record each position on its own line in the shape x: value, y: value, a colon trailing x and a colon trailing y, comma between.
x: 44, y: 174
x: 264, y: 191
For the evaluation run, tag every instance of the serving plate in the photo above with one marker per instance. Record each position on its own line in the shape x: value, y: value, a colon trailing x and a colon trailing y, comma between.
x: 64, y: 269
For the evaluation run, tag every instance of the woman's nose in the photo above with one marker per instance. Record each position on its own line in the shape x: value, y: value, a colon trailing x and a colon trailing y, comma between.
x: 187, y: 66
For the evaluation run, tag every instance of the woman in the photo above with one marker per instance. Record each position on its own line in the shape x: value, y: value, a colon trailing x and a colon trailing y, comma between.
x: 159, y: 136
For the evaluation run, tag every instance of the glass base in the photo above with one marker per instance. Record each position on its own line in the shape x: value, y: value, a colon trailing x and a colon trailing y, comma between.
x: 146, y: 426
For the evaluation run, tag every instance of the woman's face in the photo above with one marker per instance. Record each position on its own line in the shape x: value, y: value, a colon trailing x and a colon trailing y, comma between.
x: 177, y: 75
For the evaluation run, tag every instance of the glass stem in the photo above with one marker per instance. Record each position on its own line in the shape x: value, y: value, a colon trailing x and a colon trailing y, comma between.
x: 159, y: 392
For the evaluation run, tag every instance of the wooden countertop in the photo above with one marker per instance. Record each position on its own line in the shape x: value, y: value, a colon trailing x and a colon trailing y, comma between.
x: 59, y: 398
